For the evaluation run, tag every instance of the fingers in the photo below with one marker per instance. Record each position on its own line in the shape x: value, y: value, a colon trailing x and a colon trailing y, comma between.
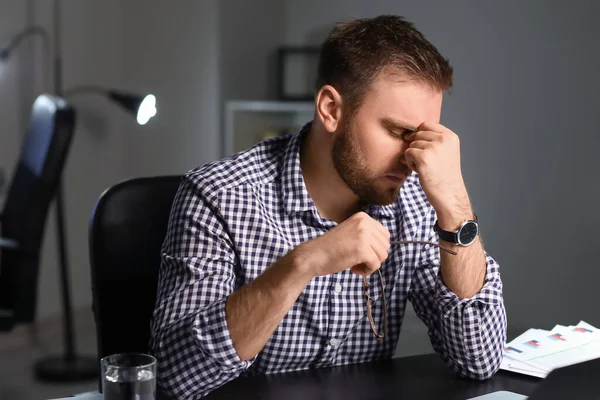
x: 412, y: 156
x: 372, y: 246
x: 432, y: 126
x: 429, y: 131
x: 361, y: 269
x: 381, y: 240
x: 371, y: 224
x: 426, y: 136
x: 366, y: 268
x: 380, y: 244
x: 382, y: 231
x: 420, y: 144
x: 380, y: 248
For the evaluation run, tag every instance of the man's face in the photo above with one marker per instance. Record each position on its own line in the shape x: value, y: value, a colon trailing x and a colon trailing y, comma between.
x: 368, y: 149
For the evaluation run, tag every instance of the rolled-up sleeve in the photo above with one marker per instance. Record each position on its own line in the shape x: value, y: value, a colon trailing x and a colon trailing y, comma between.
x: 468, y: 333
x: 190, y: 337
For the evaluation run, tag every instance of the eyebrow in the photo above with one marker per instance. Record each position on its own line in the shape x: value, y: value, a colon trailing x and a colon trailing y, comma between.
x: 398, y: 125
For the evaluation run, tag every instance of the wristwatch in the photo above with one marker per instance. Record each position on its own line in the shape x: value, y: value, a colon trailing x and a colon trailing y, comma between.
x: 464, y: 236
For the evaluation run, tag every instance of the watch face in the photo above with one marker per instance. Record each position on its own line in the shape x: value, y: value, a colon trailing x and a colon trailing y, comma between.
x: 468, y: 233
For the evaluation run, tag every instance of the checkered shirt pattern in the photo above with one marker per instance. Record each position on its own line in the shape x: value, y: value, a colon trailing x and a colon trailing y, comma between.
x: 233, y: 218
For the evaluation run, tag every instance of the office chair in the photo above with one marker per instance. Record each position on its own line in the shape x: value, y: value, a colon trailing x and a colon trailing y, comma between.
x: 23, y: 219
x: 127, y: 229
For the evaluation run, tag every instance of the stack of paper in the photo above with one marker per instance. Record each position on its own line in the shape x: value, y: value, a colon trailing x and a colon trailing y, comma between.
x: 537, y: 352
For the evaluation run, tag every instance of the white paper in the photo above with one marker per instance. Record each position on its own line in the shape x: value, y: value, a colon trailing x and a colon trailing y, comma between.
x: 521, y: 368
x: 537, y: 352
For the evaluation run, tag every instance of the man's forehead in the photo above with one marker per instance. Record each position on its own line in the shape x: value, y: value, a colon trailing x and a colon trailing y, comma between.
x: 408, y: 102
x: 394, y: 82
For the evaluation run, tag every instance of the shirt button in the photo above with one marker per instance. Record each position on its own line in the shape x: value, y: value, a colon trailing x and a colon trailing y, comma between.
x: 334, y: 342
x: 337, y: 288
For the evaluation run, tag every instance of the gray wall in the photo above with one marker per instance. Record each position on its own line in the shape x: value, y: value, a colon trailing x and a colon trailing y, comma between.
x: 14, y: 82
x: 524, y: 104
x: 249, y: 33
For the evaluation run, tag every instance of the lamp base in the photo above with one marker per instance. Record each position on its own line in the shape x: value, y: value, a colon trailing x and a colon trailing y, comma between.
x: 61, y: 369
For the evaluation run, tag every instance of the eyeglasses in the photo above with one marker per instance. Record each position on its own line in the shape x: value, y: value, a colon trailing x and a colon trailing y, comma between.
x: 369, y: 300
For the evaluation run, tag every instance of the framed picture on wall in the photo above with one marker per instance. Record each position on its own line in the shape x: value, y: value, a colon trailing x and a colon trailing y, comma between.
x: 297, y: 72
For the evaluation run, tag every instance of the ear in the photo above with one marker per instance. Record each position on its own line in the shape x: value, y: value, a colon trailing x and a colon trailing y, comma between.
x: 329, y: 107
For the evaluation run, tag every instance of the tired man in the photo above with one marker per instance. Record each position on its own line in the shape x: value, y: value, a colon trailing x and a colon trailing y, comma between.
x: 302, y: 251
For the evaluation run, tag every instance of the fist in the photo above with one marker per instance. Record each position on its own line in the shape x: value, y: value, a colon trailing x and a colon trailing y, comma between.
x: 360, y: 243
x: 434, y: 153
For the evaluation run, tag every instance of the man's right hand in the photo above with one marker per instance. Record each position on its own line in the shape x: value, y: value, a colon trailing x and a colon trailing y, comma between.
x: 360, y: 243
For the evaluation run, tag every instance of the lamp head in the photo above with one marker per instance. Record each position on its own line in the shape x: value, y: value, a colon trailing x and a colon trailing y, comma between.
x: 143, y: 108
x: 147, y: 109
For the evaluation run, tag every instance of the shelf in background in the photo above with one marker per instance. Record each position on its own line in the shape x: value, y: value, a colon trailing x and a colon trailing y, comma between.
x: 249, y: 121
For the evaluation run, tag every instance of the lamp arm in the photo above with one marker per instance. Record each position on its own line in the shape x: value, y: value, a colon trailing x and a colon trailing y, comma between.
x: 84, y: 89
x: 34, y: 30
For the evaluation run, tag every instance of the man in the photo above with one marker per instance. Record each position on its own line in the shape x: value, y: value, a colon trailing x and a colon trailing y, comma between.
x: 266, y: 252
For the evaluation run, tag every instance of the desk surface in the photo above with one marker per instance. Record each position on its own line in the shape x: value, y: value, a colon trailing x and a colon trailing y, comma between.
x: 417, y: 377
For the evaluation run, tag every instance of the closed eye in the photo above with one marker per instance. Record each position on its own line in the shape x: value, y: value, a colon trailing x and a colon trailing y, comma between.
x: 397, y: 129
x: 401, y: 134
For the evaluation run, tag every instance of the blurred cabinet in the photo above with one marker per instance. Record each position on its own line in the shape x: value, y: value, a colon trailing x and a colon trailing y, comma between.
x: 3, y: 187
x: 247, y: 122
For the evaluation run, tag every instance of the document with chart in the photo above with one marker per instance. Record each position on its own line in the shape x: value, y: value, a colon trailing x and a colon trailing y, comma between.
x: 536, y: 352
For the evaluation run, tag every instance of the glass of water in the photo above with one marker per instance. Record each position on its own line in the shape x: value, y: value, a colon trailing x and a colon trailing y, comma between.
x: 129, y: 376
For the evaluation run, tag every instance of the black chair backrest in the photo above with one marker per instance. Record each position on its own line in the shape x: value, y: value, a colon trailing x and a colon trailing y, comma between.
x: 127, y: 229
x: 33, y: 186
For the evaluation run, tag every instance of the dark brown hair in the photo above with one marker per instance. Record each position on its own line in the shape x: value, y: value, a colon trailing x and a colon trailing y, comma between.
x: 356, y: 51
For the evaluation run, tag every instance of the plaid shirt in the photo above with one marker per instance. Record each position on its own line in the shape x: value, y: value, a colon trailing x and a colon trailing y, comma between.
x: 233, y: 218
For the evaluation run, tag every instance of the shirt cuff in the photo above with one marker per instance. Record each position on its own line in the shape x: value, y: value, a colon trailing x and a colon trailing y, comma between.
x: 213, y: 337
x: 466, y: 321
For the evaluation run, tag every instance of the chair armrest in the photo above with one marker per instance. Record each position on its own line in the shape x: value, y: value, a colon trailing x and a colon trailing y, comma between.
x: 6, y: 320
x: 8, y: 244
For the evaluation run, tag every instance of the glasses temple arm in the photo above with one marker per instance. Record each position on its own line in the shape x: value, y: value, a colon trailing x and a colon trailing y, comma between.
x: 424, y: 242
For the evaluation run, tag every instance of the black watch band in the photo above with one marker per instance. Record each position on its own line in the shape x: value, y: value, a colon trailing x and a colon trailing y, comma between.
x: 446, y: 236
x: 464, y: 236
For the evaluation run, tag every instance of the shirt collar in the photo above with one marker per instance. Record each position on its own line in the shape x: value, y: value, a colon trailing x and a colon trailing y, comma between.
x: 295, y: 194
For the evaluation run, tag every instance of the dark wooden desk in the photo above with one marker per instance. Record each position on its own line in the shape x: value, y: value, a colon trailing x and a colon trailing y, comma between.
x: 417, y: 377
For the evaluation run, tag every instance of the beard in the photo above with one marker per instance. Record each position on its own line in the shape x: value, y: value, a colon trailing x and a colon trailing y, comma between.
x: 352, y: 167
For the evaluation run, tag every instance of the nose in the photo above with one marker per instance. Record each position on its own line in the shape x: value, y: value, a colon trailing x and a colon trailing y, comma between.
x: 401, y: 159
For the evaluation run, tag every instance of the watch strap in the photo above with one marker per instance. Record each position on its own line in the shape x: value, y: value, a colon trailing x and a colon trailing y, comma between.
x: 446, y: 236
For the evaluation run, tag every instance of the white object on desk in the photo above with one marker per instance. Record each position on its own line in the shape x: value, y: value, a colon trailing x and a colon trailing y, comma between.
x: 500, y: 395
x: 84, y: 396
x: 519, y: 367
x: 536, y: 352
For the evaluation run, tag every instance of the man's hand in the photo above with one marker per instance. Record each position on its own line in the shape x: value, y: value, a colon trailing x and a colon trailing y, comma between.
x: 434, y: 153
x: 360, y: 243
x: 254, y: 311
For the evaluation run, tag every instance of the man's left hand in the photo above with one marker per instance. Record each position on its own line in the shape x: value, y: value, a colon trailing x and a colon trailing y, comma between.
x: 434, y: 153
